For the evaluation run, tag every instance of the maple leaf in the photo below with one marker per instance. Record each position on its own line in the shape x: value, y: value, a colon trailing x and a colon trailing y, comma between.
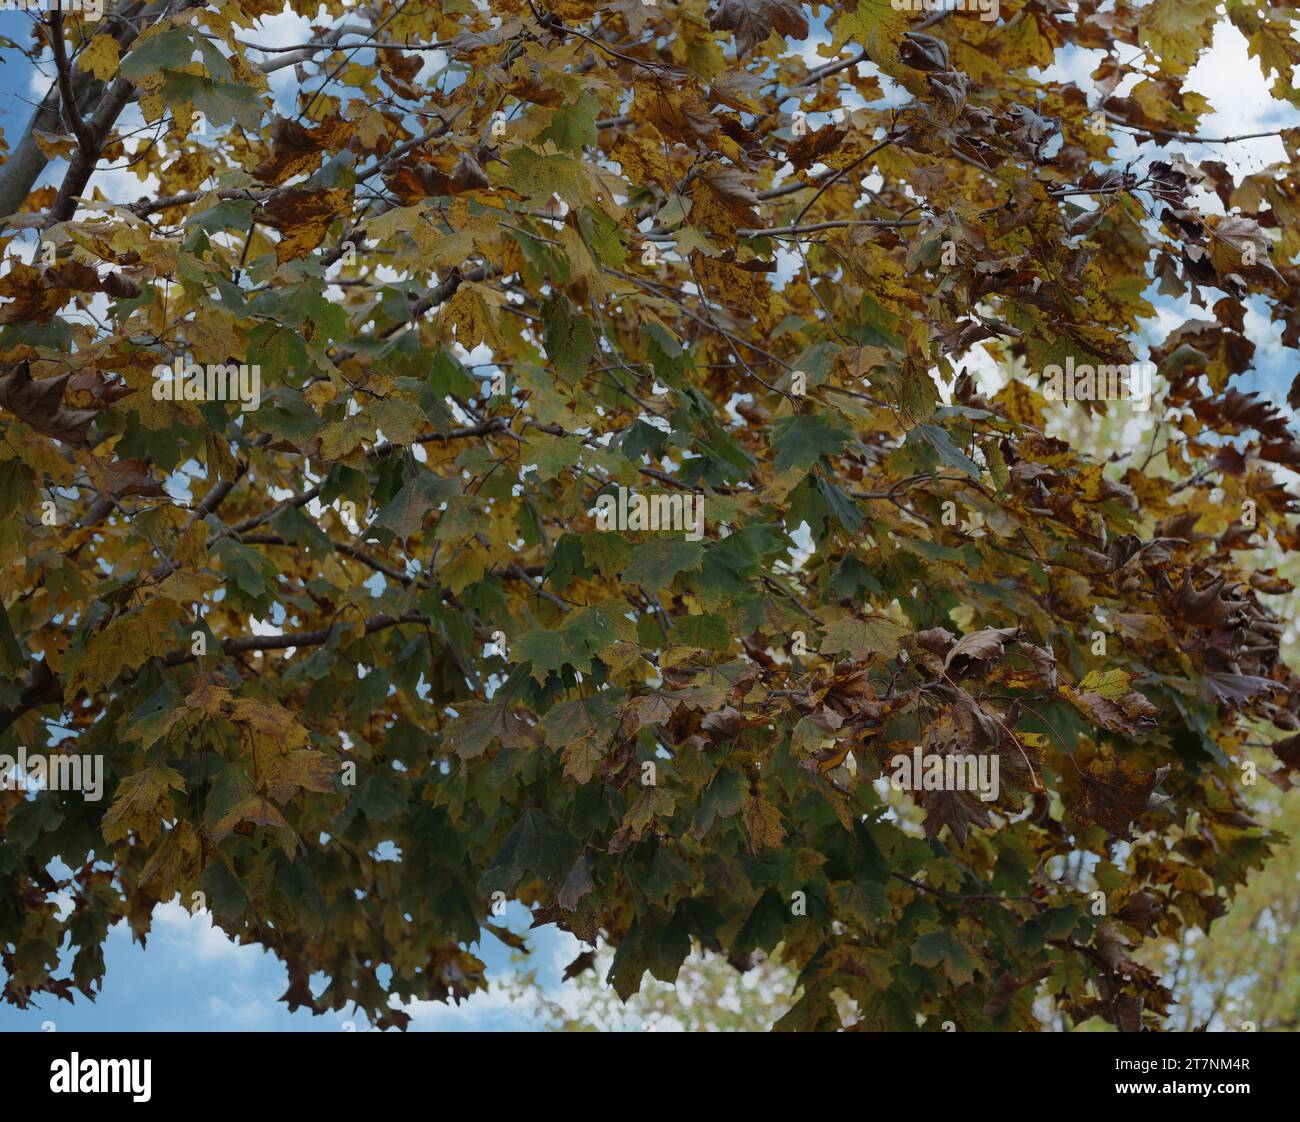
x: 862, y: 638
x: 763, y: 822
x: 365, y: 660
x: 142, y: 803
x: 979, y: 646
x: 302, y: 216
x: 1206, y: 608
x: 480, y: 725
x: 40, y: 404
x: 125, y: 477
x: 1112, y: 793
x: 1107, y: 699
x: 960, y: 811
x: 296, y: 149
x: 923, y: 52
x: 754, y: 20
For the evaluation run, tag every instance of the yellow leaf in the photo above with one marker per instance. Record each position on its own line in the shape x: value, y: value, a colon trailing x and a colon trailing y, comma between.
x: 213, y: 336
x: 1110, y: 684
x: 1022, y: 403
x: 763, y: 821
x: 273, y: 723
x: 142, y: 803
x: 125, y: 644
x: 174, y: 862
x: 302, y: 217
x: 469, y: 312
x: 100, y: 57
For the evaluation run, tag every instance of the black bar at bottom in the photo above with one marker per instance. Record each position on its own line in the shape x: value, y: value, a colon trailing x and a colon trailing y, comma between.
x: 337, y: 1070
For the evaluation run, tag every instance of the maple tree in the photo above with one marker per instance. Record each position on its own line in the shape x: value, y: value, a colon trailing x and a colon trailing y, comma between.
x: 1244, y: 974
x: 590, y: 247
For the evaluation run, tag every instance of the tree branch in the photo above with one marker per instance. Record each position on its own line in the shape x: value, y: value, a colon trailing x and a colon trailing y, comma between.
x: 63, y: 69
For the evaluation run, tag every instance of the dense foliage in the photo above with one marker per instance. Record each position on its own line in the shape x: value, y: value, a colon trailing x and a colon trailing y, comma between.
x: 364, y: 662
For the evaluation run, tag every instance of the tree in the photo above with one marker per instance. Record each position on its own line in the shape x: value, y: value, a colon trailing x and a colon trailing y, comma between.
x: 708, y: 995
x: 544, y: 467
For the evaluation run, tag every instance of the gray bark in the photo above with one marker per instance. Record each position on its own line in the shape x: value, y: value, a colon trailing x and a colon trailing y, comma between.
x: 18, y: 174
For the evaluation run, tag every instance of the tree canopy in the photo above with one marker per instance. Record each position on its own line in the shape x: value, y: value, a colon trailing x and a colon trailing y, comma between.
x: 360, y: 655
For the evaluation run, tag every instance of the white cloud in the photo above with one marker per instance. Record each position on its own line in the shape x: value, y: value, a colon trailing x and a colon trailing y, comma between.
x: 1233, y: 83
x: 207, y: 942
x: 434, y: 1016
x: 249, y: 1014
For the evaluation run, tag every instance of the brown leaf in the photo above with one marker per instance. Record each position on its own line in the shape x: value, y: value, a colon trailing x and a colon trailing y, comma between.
x: 1205, y: 608
x: 302, y: 218
x: 936, y: 640
x: 1113, y: 792
x: 586, y: 960
x: 469, y: 41
x: 960, y: 811
x: 762, y: 822
x: 412, y: 181
x: 1007, y: 986
x: 1117, y: 709
x: 296, y: 150
x: 467, y: 175
x: 724, y: 724
x: 1141, y: 909
x: 814, y: 146
x: 120, y: 286
x: 1044, y: 662
x: 125, y: 477
x: 923, y: 52
x: 979, y: 646
x: 70, y: 274
x: 40, y: 405
x: 754, y: 20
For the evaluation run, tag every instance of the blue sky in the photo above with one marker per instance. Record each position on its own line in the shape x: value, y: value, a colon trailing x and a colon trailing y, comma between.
x: 191, y: 977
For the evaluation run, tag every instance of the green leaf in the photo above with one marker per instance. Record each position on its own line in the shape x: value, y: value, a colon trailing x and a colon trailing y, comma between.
x: 171, y: 49
x: 654, y: 564
x: 860, y: 639
x: 220, y: 102
x: 286, y: 415
x: 574, y: 125
x: 250, y: 570
x: 570, y: 339
x: 935, y: 438
x: 722, y: 798
x: 536, y: 844
x: 406, y: 513
x: 800, y: 441
x: 942, y: 947
x: 537, y: 176
x: 707, y: 630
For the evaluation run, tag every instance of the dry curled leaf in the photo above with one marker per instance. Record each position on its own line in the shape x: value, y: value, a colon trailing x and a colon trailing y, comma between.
x: 754, y: 20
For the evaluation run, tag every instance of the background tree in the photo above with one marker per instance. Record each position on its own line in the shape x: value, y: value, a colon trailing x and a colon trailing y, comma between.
x: 363, y: 664
x: 708, y: 995
x: 1246, y: 972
